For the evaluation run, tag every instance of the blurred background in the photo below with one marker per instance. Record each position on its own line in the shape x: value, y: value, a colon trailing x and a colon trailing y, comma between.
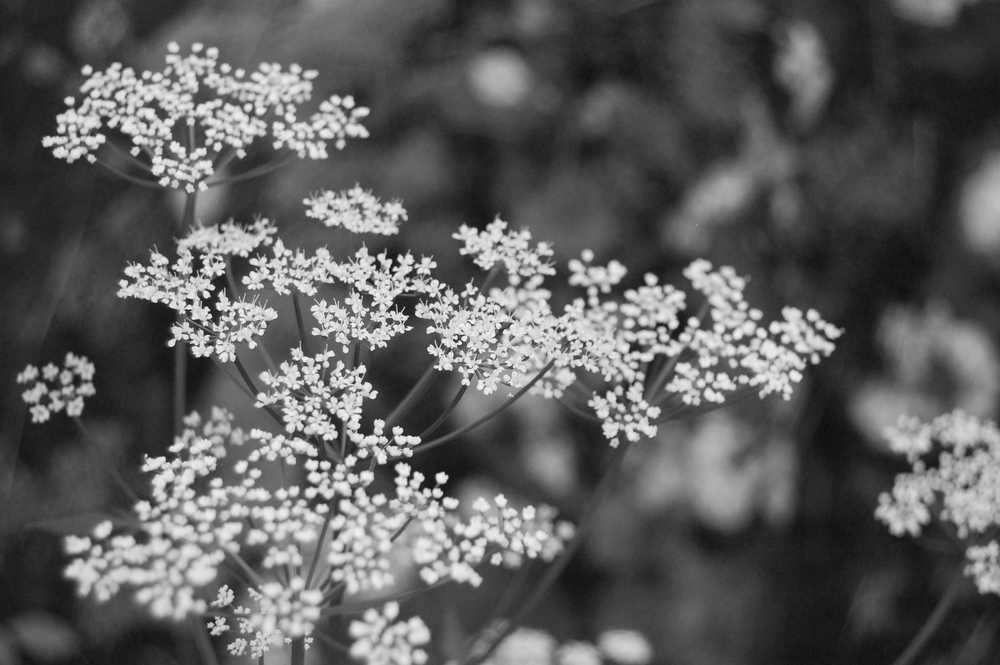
x: 844, y: 154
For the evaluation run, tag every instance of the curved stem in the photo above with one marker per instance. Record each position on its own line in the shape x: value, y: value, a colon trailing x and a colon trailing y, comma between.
x: 319, y: 548
x: 553, y: 572
x: 412, y: 397
x: 204, y: 644
x: 447, y: 412
x: 301, y: 323
x: 127, y: 156
x: 252, y: 576
x: 118, y: 173
x: 180, y: 381
x: 578, y: 412
x: 503, y: 407
x: 362, y: 605
x: 933, y: 622
x: 254, y: 172
x: 109, y: 463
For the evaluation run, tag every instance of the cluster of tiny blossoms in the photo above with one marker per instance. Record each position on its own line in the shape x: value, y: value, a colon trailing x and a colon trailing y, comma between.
x: 965, y: 480
x: 381, y: 640
x: 537, y: 647
x: 54, y: 389
x: 497, y: 336
x: 195, y: 521
x: 184, y: 118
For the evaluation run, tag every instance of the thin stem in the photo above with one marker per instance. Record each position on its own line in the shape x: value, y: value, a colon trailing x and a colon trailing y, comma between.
x: 556, y: 569
x: 491, y: 277
x: 118, y: 173
x: 109, y: 463
x: 224, y: 158
x: 298, y: 656
x: 129, y: 157
x: 239, y: 384
x: 205, y: 649
x: 578, y: 412
x: 190, y: 205
x: 252, y: 576
x: 180, y: 383
x: 230, y: 277
x: 933, y: 622
x: 362, y: 605
x: 506, y: 405
x: 447, y: 412
x: 319, y: 548
x: 334, y: 644
x: 301, y: 323
x: 264, y: 169
x: 416, y: 392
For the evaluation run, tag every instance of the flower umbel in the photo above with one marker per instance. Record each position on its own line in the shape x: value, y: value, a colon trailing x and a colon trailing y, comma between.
x: 965, y: 480
x: 188, y: 119
x: 55, y: 389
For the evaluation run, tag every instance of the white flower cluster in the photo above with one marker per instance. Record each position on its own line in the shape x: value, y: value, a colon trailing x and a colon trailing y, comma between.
x: 185, y: 533
x: 501, y: 336
x: 512, y: 248
x: 315, y: 395
x: 183, y: 118
x: 212, y: 326
x: 283, y: 612
x: 448, y: 549
x: 530, y: 646
x: 381, y: 640
x: 195, y: 520
x: 965, y: 479
x: 54, y: 389
x: 357, y: 211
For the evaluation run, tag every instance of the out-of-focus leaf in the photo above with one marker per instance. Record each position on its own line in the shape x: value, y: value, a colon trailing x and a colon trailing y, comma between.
x: 9, y: 654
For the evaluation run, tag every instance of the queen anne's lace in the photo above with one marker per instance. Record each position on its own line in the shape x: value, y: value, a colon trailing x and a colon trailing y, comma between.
x: 212, y: 325
x: 335, y: 532
x: 183, y: 118
x: 965, y: 479
x: 357, y: 211
x: 194, y: 521
x: 54, y: 389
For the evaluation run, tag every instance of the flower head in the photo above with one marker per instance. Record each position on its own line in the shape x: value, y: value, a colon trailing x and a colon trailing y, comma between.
x: 53, y: 389
x: 182, y: 119
x: 965, y: 480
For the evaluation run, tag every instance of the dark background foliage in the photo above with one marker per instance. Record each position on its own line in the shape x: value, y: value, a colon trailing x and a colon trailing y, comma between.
x: 844, y: 154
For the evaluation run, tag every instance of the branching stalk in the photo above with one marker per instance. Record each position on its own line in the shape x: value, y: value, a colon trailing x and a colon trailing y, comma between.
x: 489, y: 416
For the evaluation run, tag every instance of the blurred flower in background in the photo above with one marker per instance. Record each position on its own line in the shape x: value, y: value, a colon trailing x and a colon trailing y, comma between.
x: 934, y: 363
x: 979, y: 208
